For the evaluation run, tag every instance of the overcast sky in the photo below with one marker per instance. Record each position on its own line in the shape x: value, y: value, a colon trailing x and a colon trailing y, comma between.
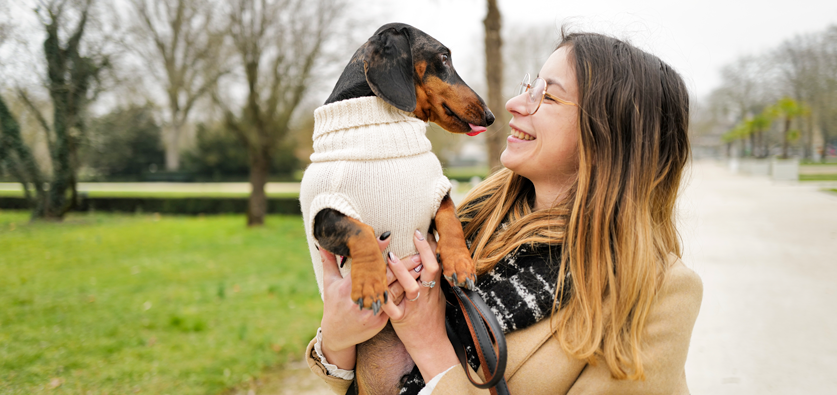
x: 696, y: 37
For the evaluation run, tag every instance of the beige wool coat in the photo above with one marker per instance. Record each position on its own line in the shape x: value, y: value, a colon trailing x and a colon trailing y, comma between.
x: 538, y: 365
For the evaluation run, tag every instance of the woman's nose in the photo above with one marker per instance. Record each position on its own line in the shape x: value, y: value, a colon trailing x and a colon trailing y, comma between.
x: 517, y: 104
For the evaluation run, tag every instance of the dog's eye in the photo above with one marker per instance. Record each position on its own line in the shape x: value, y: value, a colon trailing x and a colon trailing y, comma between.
x: 445, y: 60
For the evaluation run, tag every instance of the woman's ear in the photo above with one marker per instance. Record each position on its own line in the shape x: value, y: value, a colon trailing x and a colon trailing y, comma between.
x: 388, y: 65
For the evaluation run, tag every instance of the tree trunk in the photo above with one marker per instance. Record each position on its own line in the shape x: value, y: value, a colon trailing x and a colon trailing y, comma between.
x: 494, y: 77
x: 785, y: 138
x: 172, y: 140
x: 259, y: 171
x: 753, y: 144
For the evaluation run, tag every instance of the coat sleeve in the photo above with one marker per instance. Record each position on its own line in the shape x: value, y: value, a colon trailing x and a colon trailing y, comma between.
x: 337, y: 385
x: 666, y: 342
x: 456, y: 382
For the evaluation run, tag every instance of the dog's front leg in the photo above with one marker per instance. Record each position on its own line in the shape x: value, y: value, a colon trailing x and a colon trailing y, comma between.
x: 456, y: 262
x: 347, y: 236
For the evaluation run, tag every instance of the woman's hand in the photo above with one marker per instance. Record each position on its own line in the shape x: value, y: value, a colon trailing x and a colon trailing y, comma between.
x: 344, y: 325
x: 419, y: 320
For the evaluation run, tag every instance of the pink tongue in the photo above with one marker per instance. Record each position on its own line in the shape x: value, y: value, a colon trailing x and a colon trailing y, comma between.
x: 475, y: 130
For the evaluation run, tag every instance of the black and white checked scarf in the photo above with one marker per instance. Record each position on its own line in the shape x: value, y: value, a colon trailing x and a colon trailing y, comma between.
x: 520, y: 291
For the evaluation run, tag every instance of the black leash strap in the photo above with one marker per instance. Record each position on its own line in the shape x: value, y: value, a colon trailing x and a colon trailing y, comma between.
x: 487, y: 335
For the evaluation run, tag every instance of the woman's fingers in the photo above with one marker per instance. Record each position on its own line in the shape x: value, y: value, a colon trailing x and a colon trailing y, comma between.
x: 331, y: 272
x: 411, y: 287
x: 428, y: 258
x: 413, y: 265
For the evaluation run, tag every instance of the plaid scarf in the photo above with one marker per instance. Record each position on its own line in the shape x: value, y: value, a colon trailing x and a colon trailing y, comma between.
x: 519, y: 290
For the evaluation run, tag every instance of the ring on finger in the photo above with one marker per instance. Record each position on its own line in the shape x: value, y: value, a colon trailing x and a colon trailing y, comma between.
x: 416, y: 298
x: 428, y: 284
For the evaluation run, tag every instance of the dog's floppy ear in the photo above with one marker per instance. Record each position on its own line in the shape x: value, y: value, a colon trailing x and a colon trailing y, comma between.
x: 388, y: 65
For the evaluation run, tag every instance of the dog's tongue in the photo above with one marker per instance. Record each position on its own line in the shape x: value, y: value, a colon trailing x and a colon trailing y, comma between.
x: 475, y: 130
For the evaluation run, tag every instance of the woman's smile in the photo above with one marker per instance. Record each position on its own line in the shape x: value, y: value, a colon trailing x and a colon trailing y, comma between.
x: 517, y: 134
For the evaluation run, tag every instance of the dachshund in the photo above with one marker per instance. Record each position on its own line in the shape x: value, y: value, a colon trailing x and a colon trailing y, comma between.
x: 413, y: 72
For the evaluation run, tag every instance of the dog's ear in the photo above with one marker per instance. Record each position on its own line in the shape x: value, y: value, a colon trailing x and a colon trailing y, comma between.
x: 388, y: 65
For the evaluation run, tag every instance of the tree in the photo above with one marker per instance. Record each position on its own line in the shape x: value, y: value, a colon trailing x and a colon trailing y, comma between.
x: 494, y: 77
x: 278, y: 43
x: 123, y: 144
x: 789, y: 109
x: 181, y: 45
x: 73, y: 72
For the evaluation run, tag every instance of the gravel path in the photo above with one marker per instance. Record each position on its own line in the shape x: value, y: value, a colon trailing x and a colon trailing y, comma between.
x: 767, y: 253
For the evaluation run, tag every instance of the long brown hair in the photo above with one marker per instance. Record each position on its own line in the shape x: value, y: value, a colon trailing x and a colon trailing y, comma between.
x: 616, y: 224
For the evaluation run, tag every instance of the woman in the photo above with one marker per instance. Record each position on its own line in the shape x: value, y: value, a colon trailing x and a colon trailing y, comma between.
x: 586, y: 200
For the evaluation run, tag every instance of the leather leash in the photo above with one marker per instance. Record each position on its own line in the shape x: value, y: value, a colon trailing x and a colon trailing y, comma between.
x: 487, y: 336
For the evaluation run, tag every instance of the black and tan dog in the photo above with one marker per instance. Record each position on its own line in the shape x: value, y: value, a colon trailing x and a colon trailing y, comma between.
x: 412, y: 72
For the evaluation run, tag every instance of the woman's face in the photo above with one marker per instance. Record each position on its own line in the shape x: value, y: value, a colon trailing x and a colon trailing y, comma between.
x: 548, y: 150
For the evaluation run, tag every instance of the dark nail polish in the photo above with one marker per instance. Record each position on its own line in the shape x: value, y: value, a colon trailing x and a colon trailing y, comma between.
x: 385, y: 235
x: 342, y: 261
x: 318, y: 247
x: 392, y: 257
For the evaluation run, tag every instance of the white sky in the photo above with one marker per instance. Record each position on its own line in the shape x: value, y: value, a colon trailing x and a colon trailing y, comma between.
x: 696, y: 37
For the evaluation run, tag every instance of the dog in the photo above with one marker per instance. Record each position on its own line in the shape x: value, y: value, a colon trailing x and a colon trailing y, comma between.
x: 372, y: 171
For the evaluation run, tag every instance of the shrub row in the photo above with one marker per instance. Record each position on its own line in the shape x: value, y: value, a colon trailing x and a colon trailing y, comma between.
x: 168, y: 205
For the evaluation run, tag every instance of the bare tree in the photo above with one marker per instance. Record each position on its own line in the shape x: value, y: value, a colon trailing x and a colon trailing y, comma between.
x: 494, y: 77
x: 73, y: 71
x: 181, y: 45
x: 278, y: 43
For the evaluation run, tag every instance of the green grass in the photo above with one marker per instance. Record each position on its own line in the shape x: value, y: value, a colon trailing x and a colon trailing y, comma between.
x: 117, y: 304
x: 818, y: 177
x: 145, y: 194
x: 464, y: 174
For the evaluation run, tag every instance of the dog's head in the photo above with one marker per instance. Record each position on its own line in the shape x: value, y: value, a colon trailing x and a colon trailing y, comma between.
x: 414, y: 72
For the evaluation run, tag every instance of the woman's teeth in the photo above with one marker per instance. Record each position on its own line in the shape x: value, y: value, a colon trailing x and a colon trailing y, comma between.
x: 521, y: 135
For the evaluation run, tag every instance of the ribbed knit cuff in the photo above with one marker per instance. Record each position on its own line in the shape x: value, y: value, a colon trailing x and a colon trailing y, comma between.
x: 366, y: 128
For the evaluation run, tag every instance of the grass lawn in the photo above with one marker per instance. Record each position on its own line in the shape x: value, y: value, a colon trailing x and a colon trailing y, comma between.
x: 818, y: 177
x: 118, y: 304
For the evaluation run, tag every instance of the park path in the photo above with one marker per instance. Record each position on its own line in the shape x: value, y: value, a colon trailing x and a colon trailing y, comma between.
x: 767, y: 254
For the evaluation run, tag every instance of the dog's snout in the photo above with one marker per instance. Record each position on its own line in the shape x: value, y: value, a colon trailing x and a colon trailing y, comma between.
x: 489, y: 117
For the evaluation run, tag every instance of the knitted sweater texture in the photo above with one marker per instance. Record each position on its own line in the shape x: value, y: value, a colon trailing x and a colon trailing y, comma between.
x: 371, y: 162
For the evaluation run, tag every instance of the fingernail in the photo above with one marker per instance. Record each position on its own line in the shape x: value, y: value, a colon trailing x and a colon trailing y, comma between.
x: 416, y: 258
x: 385, y: 235
x: 419, y: 235
x: 342, y: 261
x: 392, y: 257
x: 318, y: 247
x: 418, y: 268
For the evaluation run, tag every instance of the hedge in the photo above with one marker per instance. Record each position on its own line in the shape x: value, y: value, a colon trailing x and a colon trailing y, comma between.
x: 187, y: 206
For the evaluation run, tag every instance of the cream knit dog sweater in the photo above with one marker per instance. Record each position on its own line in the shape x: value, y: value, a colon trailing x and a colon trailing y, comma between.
x: 372, y: 162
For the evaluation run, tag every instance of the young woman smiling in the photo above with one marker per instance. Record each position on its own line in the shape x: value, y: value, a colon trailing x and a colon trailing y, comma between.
x: 574, y: 241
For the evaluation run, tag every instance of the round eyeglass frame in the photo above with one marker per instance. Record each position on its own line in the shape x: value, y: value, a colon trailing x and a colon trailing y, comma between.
x: 532, y: 90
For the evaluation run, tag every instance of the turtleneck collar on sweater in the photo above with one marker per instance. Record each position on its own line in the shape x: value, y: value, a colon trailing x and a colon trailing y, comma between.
x: 366, y: 128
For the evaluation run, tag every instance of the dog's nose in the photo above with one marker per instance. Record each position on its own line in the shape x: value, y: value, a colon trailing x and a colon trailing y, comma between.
x: 489, y: 117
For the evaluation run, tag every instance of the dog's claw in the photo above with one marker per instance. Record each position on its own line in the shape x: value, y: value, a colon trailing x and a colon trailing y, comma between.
x: 386, y: 297
x: 360, y: 303
x: 376, y: 307
x: 470, y: 284
x: 453, y: 277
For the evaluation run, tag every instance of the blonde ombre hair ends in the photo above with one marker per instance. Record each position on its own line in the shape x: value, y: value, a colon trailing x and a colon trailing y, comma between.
x: 616, y: 226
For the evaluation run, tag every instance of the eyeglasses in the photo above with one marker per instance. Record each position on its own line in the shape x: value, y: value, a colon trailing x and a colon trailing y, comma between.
x: 536, y: 92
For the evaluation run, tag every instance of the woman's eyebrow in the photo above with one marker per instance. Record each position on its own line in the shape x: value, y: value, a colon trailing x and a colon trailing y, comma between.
x: 552, y: 81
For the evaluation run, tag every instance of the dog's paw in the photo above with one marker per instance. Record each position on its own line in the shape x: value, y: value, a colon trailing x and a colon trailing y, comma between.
x: 457, y: 266
x: 369, y: 283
